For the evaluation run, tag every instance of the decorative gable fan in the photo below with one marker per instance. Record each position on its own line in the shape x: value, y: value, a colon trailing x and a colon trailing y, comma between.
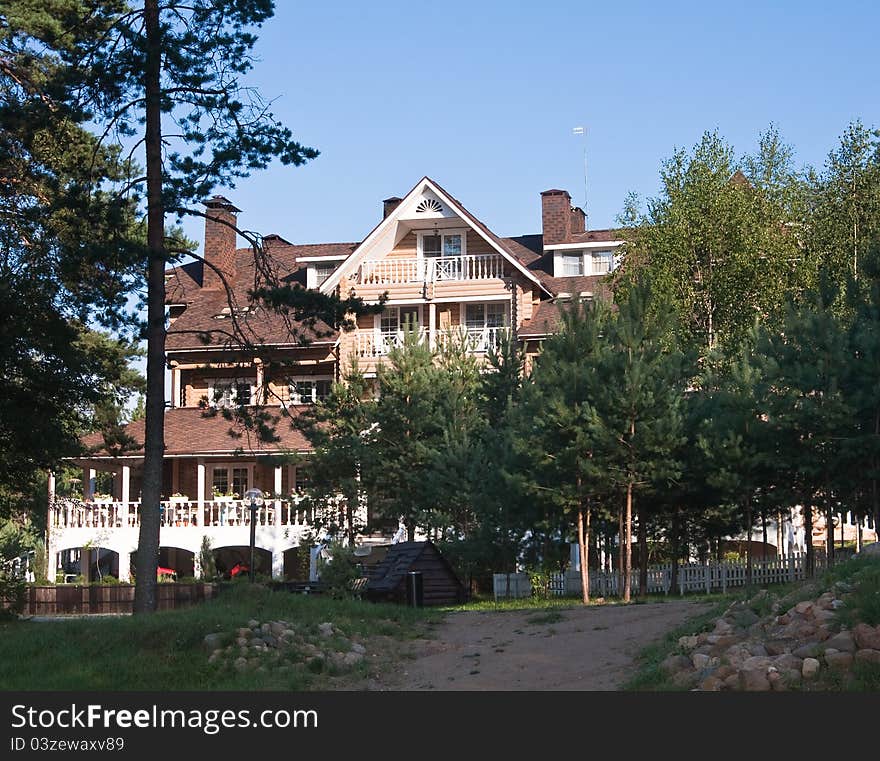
x: 429, y: 205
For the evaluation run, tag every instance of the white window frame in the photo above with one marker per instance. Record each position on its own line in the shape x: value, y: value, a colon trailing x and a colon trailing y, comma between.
x: 596, y: 257
x: 505, y: 311
x: 228, y: 384
x: 295, y: 398
x: 577, y: 256
x: 249, y: 466
x: 444, y: 233
x: 380, y: 336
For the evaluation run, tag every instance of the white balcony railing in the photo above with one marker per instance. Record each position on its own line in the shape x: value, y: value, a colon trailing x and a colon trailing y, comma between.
x: 432, y: 269
x: 370, y: 344
x: 71, y: 513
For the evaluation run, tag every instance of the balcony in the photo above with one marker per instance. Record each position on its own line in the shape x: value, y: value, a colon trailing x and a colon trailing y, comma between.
x: 70, y: 513
x: 431, y: 270
x: 370, y: 344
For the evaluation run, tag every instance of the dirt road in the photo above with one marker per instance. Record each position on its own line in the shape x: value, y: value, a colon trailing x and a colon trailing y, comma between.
x: 575, y: 649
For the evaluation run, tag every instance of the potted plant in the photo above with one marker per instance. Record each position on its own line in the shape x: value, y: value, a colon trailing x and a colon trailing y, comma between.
x: 223, y: 496
x: 101, y: 497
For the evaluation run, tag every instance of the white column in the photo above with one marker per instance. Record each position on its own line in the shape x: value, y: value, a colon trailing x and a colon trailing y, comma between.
x: 89, y: 475
x: 126, y: 485
x: 201, y: 482
x: 432, y: 325
x: 50, y: 532
x: 277, y: 564
x: 277, y: 488
x: 124, y: 565
x: 260, y: 396
x: 175, y: 386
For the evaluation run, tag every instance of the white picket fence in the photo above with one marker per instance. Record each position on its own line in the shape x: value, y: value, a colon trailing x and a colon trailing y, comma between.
x: 692, y: 577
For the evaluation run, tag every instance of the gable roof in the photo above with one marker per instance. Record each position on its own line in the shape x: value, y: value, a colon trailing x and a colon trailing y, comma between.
x: 388, y: 575
x: 499, y: 244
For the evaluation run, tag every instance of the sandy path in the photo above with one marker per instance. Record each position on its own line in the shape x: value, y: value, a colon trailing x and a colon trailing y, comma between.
x: 576, y: 649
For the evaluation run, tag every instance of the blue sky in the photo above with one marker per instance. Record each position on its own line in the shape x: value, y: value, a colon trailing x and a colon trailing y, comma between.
x: 483, y: 96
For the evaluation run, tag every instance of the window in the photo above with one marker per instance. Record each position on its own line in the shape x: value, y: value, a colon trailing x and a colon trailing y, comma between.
x: 602, y: 262
x: 442, y: 243
x: 323, y: 271
x: 572, y: 264
x: 226, y: 479
x: 309, y: 390
x: 485, y: 324
x: 230, y: 392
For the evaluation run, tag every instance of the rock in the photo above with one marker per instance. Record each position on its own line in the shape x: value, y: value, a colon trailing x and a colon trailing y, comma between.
x: 242, y: 641
x: 837, y: 604
x: 243, y: 632
x: 711, y: 684
x: 737, y: 654
x: 843, y: 642
x: 688, y: 643
x: 788, y: 662
x: 803, y: 608
x: 732, y: 682
x: 870, y: 549
x: 215, y: 641
x: 810, y: 669
x: 685, y: 679
x: 754, y: 680
x: 810, y: 650
x: 325, y: 629
x: 725, y: 671
x: 722, y: 627
x: 254, y: 624
x: 777, y: 683
x: 867, y: 637
x: 241, y: 664
x: 702, y: 638
x: 675, y: 663
x: 756, y: 663
x: 277, y: 628
x: 783, y: 619
x: 823, y: 633
x: 706, y: 649
x: 757, y: 648
x: 215, y: 656
x: 745, y: 618
x: 700, y: 661
x: 264, y: 628
x: 779, y: 646
x: 350, y: 659
x: 792, y: 677
x: 358, y: 648
x: 868, y: 656
x: 823, y: 616
x: 838, y: 661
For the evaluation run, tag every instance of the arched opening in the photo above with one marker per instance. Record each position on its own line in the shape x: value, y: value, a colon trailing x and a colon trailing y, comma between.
x: 296, y: 563
x: 87, y: 564
x: 233, y: 562
x: 176, y: 559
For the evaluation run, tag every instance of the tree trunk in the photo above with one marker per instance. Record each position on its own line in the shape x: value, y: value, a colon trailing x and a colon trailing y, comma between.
x: 643, y: 554
x: 810, y: 559
x: 410, y: 531
x: 764, y: 533
x: 627, y: 560
x: 154, y: 439
x: 621, y: 533
x: 676, y: 550
x: 584, y: 549
x: 780, y: 541
x: 749, y: 539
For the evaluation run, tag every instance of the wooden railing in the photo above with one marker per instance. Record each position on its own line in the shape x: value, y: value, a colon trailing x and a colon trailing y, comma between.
x: 369, y: 343
x: 71, y: 513
x: 431, y: 269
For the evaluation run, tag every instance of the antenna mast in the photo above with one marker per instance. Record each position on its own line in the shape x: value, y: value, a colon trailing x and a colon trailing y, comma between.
x: 583, y: 132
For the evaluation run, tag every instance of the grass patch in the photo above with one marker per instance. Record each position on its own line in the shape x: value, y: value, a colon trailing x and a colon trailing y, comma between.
x: 164, y: 651
x: 863, y: 602
x: 552, y: 617
x: 649, y: 676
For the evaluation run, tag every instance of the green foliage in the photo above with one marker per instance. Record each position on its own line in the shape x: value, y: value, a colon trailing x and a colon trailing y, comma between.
x: 12, y: 594
x: 863, y: 603
x: 207, y: 562
x: 339, y: 573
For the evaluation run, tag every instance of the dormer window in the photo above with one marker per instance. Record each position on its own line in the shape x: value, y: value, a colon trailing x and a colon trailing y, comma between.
x: 323, y: 271
x: 572, y: 264
x: 230, y: 392
x: 602, y: 262
x: 309, y: 390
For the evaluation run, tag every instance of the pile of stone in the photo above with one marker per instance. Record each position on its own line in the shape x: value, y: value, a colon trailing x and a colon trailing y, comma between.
x: 781, y: 651
x: 283, y: 645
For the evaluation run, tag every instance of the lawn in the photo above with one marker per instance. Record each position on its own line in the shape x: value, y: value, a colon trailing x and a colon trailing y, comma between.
x: 165, y: 651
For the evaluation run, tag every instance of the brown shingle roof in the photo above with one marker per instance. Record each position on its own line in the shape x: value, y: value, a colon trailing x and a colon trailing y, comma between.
x: 190, y: 430
x: 262, y: 325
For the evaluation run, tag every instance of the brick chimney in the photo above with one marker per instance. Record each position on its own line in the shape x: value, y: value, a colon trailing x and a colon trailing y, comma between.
x: 219, y: 241
x: 389, y: 205
x: 556, y: 216
x: 578, y: 220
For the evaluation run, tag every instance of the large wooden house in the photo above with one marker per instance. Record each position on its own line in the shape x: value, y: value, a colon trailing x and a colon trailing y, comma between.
x: 442, y: 270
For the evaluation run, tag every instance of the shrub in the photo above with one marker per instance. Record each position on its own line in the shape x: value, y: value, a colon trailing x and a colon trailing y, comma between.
x: 207, y: 565
x: 340, y: 572
x: 12, y: 594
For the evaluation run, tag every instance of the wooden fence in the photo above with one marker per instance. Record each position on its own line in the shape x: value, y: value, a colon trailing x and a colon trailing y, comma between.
x: 692, y: 577
x: 60, y: 599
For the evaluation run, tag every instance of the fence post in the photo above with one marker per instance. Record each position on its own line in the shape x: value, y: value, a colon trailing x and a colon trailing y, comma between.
x: 723, y: 578
x: 791, y: 563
